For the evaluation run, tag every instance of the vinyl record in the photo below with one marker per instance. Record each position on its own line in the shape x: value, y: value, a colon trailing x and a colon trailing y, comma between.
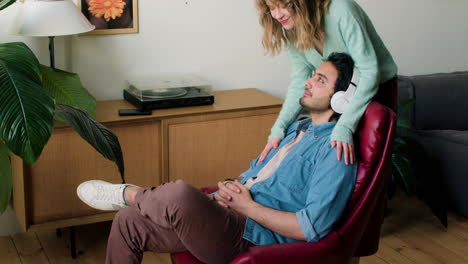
x: 164, y: 93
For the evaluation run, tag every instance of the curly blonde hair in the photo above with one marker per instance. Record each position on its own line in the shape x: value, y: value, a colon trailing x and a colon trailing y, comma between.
x: 308, y: 17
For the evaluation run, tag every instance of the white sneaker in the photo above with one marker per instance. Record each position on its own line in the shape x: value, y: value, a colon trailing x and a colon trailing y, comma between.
x: 102, y: 195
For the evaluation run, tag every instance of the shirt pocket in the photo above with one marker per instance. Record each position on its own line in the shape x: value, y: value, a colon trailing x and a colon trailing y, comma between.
x: 294, y: 174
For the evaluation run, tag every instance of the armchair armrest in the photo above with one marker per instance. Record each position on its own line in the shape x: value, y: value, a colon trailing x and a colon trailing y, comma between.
x: 324, y: 251
x: 209, y: 189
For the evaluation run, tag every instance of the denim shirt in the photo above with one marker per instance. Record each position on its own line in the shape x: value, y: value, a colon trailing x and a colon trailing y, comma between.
x: 310, y: 182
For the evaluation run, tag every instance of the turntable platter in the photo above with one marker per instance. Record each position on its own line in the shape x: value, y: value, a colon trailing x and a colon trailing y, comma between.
x: 164, y: 93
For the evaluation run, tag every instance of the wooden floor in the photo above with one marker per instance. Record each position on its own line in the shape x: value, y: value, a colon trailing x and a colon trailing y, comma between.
x: 411, y: 235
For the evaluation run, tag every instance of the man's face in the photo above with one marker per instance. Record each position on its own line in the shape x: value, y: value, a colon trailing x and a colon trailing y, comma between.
x: 319, y: 88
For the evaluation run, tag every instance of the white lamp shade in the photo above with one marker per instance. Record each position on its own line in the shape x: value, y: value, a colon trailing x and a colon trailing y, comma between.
x: 39, y: 18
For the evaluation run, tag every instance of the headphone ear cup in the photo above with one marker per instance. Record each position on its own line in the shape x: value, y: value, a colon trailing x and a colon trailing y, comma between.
x: 338, y: 102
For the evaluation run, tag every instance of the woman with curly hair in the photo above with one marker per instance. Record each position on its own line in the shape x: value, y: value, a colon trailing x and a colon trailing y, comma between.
x: 311, y: 30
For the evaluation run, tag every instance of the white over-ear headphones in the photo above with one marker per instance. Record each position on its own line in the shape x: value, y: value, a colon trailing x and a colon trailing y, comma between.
x: 340, y: 100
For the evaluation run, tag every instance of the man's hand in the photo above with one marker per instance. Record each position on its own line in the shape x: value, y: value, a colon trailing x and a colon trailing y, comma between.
x: 210, y: 196
x: 272, y: 144
x: 229, y: 197
x: 222, y: 195
x: 347, y: 149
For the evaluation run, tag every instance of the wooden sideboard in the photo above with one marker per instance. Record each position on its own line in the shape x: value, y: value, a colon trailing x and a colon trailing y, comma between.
x: 201, y: 145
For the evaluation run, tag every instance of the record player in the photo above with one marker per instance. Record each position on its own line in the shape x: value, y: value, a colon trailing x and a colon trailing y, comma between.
x: 168, y: 94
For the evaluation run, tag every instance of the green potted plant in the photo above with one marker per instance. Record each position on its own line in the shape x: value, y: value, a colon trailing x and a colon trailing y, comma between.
x: 412, y: 169
x: 31, y: 95
x: 5, y: 3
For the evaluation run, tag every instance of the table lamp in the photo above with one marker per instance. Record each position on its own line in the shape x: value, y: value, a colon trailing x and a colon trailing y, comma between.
x: 49, y: 18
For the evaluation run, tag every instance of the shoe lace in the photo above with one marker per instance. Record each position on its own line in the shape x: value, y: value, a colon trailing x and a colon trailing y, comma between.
x: 109, y: 193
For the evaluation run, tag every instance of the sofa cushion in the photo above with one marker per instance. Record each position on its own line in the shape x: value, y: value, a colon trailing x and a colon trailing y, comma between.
x: 450, y: 149
x: 441, y: 101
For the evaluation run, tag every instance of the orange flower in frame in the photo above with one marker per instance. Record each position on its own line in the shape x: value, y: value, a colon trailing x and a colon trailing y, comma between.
x: 106, y: 8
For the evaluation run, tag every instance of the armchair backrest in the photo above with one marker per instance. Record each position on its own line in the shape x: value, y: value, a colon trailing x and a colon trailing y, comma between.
x: 358, y: 231
x: 360, y: 224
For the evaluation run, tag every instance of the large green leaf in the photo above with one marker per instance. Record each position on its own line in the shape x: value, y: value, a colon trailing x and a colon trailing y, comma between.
x: 404, y: 123
x: 97, y: 135
x: 5, y: 3
x: 403, y: 119
x: 66, y: 88
x: 406, y: 105
x: 405, y: 171
x: 5, y: 177
x: 26, y: 110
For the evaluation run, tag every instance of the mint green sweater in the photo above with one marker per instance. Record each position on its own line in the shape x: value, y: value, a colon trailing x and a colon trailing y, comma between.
x: 347, y: 29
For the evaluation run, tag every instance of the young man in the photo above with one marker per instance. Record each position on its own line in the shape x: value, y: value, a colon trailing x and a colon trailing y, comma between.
x: 297, y: 193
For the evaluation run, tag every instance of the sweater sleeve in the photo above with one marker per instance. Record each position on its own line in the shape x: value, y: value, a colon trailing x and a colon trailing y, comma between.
x: 300, y: 72
x: 353, y: 28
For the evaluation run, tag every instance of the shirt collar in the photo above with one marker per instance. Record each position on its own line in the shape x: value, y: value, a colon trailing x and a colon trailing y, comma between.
x: 323, y: 129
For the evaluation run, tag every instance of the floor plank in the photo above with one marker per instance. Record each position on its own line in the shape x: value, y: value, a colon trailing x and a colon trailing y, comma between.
x: 421, y: 236
x: 459, y: 224
x: 410, y: 235
x: 460, y: 220
x: 373, y: 260
x: 392, y: 256
x: 410, y: 251
x: 29, y: 249
x: 446, y: 238
x: 92, y: 242
x: 8, y: 253
x: 423, y: 243
x: 57, y: 249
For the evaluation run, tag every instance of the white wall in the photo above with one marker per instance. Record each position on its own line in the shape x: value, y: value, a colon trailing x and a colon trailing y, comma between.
x: 424, y: 36
x: 8, y: 223
x: 220, y: 41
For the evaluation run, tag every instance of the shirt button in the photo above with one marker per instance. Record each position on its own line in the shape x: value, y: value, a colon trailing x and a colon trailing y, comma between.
x: 315, y: 136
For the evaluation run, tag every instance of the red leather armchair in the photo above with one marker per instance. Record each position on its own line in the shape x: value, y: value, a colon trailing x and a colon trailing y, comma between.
x: 357, y: 233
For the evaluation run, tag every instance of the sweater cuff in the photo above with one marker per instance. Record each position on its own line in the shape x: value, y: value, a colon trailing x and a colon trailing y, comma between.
x: 276, y: 133
x: 343, y: 134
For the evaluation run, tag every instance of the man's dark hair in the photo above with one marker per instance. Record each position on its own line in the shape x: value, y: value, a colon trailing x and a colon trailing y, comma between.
x: 345, y: 66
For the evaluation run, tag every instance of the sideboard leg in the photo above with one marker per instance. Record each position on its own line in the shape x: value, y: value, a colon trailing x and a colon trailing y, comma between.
x: 58, y: 232
x: 72, y: 242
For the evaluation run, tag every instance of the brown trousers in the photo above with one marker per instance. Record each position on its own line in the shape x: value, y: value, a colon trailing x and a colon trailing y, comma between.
x: 176, y: 217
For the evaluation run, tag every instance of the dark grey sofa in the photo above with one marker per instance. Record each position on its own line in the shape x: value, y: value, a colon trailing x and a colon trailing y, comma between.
x: 440, y: 117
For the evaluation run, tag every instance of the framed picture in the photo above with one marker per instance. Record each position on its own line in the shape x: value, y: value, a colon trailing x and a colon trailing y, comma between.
x: 110, y: 16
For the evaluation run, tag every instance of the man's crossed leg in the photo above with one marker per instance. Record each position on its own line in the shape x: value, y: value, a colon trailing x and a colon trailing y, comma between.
x: 172, y: 217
